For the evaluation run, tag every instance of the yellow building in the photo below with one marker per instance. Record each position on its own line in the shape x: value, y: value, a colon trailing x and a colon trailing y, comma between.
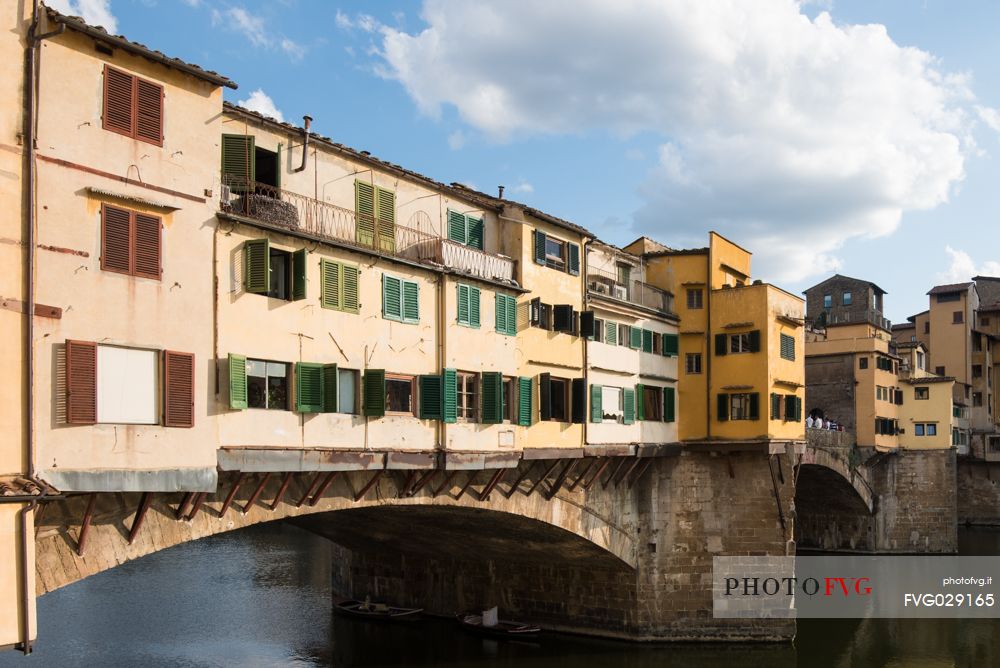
x: 929, y: 417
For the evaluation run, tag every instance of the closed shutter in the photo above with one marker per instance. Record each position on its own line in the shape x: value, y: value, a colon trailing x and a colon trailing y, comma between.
x: 544, y: 396
x: 647, y: 341
x: 149, y: 112
x: 81, y: 382
x: 501, y: 314
x: 116, y: 239
x: 524, y: 387
x: 721, y: 341
x: 392, y: 298
x: 755, y: 341
x: 238, y: 162
x: 587, y: 323
x: 411, y: 302
x: 147, y: 254
x: 669, y: 345
x: 611, y: 333
x: 578, y: 401
x: 364, y: 207
x: 755, y: 406
x: 257, y: 266
x: 899, y: 397
x: 476, y: 233
x: 386, y: 216
x: 456, y: 227
x: 791, y: 408
x: 474, y: 306
x: 511, y: 315
x: 492, y: 397
x: 308, y: 387
x: 374, y: 393
x: 299, y: 260
x: 449, y: 396
x: 349, y: 294
x: 640, y: 402
x: 628, y: 406
x: 178, y: 389
x: 788, y: 347
x: 237, y: 381
x: 596, y: 409
x: 331, y: 388
x: 430, y: 397
x: 539, y: 247
x: 669, y: 404
x: 118, y: 101
x: 573, y: 266
x: 329, y: 284
x: 798, y: 409
x: 776, y: 404
x: 722, y: 407
x: 463, y: 304
x: 635, y: 338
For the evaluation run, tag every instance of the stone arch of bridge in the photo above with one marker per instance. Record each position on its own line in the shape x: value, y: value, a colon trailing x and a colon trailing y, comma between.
x: 822, y: 472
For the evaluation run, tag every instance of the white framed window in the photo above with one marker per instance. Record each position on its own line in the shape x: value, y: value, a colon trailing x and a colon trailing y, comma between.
x: 611, y: 404
x: 347, y: 391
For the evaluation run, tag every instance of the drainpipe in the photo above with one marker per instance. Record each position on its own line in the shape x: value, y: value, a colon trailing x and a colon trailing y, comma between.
x: 307, y: 121
x: 709, y: 351
x: 586, y: 368
x: 441, y: 327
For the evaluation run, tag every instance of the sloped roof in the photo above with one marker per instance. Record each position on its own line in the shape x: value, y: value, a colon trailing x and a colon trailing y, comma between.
x: 950, y: 287
x: 877, y: 289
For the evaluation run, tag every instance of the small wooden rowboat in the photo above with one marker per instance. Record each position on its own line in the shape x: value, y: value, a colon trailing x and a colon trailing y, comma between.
x: 377, y: 611
x: 502, y: 629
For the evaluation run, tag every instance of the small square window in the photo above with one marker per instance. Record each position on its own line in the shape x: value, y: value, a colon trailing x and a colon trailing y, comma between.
x: 695, y: 298
x: 939, y: 370
x: 399, y: 395
x: 921, y: 393
x: 847, y: 299
x: 957, y: 317
x: 267, y: 385
x: 555, y: 253
x: 827, y: 301
x: 862, y: 362
x: 611, y: 404
x: 692, y: 363
x: 918, y: 429
x: 468, y: 396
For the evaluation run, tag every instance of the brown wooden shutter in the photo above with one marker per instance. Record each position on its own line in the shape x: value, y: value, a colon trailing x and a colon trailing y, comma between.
x: 115, y: 239
x: 149, y: 112
x: 81, y: 382
x: 147, y: 246
x: 178, y: 389
x: 119, y: 103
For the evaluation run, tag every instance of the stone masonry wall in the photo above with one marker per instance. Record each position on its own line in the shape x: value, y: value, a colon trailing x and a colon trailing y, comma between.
x: 978, y: 492
x: 917, y: 510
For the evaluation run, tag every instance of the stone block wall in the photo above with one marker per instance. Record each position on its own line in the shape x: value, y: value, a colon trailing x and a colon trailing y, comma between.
x: 978, y: 492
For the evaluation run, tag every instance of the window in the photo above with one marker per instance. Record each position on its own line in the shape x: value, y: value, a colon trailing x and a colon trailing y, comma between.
x: 556, y: 253
x: 921, y: 362
x: 272, y: 272
x: 743, y: 407
x: 931, y: 429
x: 847, y: 298
x: 927, y: 327
x: 977, y: 399
x: 652, y: 403
x: 401, y: 300
x: 510, y: 399
x: 939, y: 370
x: 886, y: 427
x: 957, y: 317
x: 925, y: 429
x: 563, y: 319
x: 695, y: 298
x: 126, y: 385
x: 281, y: 275
x: 921, y: 393
x: 465, y: 229
x: 610, y: 333
x: 130, y: 242
x: 788, y: 347
x: 647, y: 341
x: 977, y: 370
x: 624, y: 335
x: 977, y: 342
x: 468, y: 305
x: 375, y: 225
x: 862, y: 362
x: 918, y: 429
x: 984, y: 320
x: 467, y: 396
x: 612, y: 409
x: 949, y: 297
x: 347, y: 391
x: 506, y: 314
x: 827, y: 301
x: 692, y: 363
x: 338, y: 286
x: 624, y: 274
x: 399, y: 394
x: 554, y: 398
x: 133, y: 106
x: 267, y: 384
x: 994, y: 443
x: 740, y: 343
x: 657, y: 343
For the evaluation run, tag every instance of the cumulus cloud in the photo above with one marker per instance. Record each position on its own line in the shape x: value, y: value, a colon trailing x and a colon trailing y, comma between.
x: 262, y: 103
x: 94, y: 12
x: 788, y: 133
x: 962, y: 267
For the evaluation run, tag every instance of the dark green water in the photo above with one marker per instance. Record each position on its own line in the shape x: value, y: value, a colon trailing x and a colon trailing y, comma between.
x: 261, y: 597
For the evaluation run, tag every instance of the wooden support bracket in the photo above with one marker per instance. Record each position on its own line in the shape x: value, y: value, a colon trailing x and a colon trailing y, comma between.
x: 312, y: 489
x: 586, y: 471
x: 447, y: 480
x: 322, y: 488
x: 140, y: 515
x: 519, y: 480
x: 281, y: 490
x: 371, y: 483
x: 88, y: 516
x: 256, y: 493
x: 232, y: 495
x: 534, y: 486
x: 468, y: 483
x: 560, y: 480
x: 597, y: 476
x: 497, y: 477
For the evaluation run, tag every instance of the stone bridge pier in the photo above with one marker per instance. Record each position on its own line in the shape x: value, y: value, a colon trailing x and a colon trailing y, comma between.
x: 619, y: 546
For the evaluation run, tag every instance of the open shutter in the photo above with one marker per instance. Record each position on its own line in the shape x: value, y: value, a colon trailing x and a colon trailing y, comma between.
x: 386, y: 219
x: 755, y: 406
x: 147, y: 246
x: 611, y: 333
x: 349, y: 293
x: 647, y: 341
x: 456, y: 227
x: 308, y: 387
x: 669, y: 345
x: 449, y: 396
x: 596, y: 408
x: 238, y: 162
x: 237, y: 381
x: 722, y: 407
x: 492, y: 397
x: 669, y: 404
x: 331, y: 388
x: 364, y: 207
x: 430, y: 397
x: 755, y: 341
x: 573, y: 265
x: 777, y: 403
x: 798, y: 409
x: 392, y: 297
x: 587, y: 322
x: 635, y: 338
x: 178, y: 389
x: 462, y: 307
x: 628, y: 405
x: 374, y: 392
x: 81, y: 382
x: 524, y: 387
x: 578, y: 401
x: 299, y: 259
x: 511, y: 305
x: 149, y: 112
x: 539, y: 247
x: 116, y: 239
x: 257, y: 266
x: 501, y: 314
x: 411, y: 301
x: 118, y: 101
x: 545, y: 396
x: 476, y: 233
x: 329, y: 284
x: 640, y: 402
x: 721, y: 341
x: 474, y: 294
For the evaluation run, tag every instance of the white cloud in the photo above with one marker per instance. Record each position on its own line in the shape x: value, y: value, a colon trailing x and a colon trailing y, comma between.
x: 963, y: 268
x: 255, y: 29
x: 192, y: 3
x: 261, y: 102
x: 523, y: 187
x: 94, y: 12
x: 250, y: 25
x: 989, y: 116
x: 792, y: 135
x: 363, y: 22
x: 294, y: 50
x: 456, y: 140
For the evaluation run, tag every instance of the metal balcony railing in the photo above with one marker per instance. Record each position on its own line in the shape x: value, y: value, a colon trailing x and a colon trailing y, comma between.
x: 604, y: 283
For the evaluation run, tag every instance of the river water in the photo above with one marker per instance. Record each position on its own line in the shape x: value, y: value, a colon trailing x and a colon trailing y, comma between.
x: 261, y: 597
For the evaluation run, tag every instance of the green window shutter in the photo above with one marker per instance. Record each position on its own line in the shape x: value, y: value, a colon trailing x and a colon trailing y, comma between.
x: 524, y: 386
x: 492, y: 397
x: 788, y: 347
x: 329, y: 284
x: 308, y: 387
x: 374, y: 392
x: 411, y: 301
x: 776, y: 406
x: 238, y: 162
x: 392, y: 297
x: 364, y: 207
x: 430, y: 397
x: 257, y: 266
x: 596, y: 409
x: 349, y: 291
x: 539, y: 247
x: 647, y: 341
x: 755, y: 406
x: 501, y: 313
x: 798, y: 409
x: 385, y: 214
x: 463, y: 304
x: 755, y: 341
x: 511, y: 315
x: 299, y: 260
x: 611, y: 333
x: 449, y: 396
x: 331, y: 388
x: 628, y: 401
x: 237, y: 381
x: 474, y: 306
x: 476, y: 233
x: 670, y: 345
x: 573, y: 266
x: 635, y: 338
x: 456, y: 227
x: 640, y: 402
x: 721, y: 341
x: 669, y: 404
x: 544, y: 396
x: 722, y: 407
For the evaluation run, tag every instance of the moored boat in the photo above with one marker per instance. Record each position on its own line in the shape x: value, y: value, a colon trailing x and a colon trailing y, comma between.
x: 500, y: 628
x: 376, y: 611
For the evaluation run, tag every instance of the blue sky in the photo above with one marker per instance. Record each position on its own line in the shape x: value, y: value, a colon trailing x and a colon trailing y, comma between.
x: 861, y: 137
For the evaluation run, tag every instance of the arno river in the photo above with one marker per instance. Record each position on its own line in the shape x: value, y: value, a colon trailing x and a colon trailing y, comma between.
x: 261, y: 597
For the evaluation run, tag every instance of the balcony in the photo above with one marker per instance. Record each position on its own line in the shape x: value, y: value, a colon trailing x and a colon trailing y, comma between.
x: 280, y: 208
x: 605, y: 284
x: 870, y: 317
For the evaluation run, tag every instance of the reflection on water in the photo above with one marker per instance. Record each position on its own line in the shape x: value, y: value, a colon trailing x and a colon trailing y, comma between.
x: 261, y: 597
